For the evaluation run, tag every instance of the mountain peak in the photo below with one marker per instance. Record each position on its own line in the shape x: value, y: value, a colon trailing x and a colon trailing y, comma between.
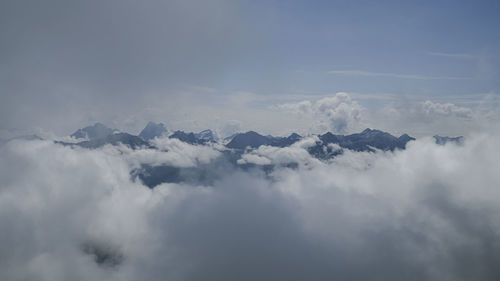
x: 207, y: 135
x: 96, y: 131
x: 444, y: 140
x: 366, y: 140
x: 152, y: 130
x: 187, y: 137
x: 129, y: 140
x: 249, y: 139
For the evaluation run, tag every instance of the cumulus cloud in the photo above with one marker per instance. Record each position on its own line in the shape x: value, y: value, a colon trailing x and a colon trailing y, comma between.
x: 430, y: 108
x: 171, y: 152
x: 426, y: 213
x: 253, y: 158
x: 301, y: 108
x: 341, y: 111
x: 296, y: 153
x: 338, y: 113
x: 428, y: 118
x: 179, y: 153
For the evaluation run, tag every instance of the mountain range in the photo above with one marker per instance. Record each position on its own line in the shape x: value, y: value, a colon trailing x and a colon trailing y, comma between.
x: 326, y: 146
x: 96, y: 131
x: 97, y: 135
x: 153, y: 130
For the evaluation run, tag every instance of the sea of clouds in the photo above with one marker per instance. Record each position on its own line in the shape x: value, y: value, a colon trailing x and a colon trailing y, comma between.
x: 429, y: 212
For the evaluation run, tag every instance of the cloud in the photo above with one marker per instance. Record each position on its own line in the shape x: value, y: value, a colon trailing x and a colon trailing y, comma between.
x: 432, y: 109
x: 295, y: 154
x: 453, y: 55
x: 179, y: 154
x: 230, y: 127
x: 302, y: 107
x: 341, y: 111
x: 338, y: 113
x: 252, y: 158
x: 425, y: 118
x: 393, y: 75
x: 428, y: 212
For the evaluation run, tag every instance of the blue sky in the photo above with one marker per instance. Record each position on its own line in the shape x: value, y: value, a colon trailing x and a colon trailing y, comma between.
x: 431, y: 47
x: 127, y: 62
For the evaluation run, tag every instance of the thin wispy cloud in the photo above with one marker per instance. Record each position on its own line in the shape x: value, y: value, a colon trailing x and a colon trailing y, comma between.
x: 393, y: 75
x: 452, y: 55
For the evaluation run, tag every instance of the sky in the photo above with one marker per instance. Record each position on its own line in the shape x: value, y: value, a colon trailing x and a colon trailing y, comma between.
x: 234, y: 64
x: 426, y: 212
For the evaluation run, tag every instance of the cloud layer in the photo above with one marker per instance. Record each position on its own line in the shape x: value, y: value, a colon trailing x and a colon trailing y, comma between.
x: 426, y: 213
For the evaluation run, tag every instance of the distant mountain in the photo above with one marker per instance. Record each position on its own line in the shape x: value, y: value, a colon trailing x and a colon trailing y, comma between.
x: 364, y: 141
x: 97, y: 131
x: 115, y: 139
x: 443, y: 140
x: 230, y: 138
x: 284, y: 142
x: 187, y: 137
x: 248, y: 139
x: 152, y: 130
x: 328, y: 146
x: 405, y: 138
x: 253, y: 140
x: 207, y: 135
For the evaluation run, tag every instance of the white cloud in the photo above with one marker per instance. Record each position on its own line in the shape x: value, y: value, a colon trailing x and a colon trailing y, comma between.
x: 338, y: 113
x: 177, y: 153
x: 432, y: 109
x: 252, y: 158
x: 429, y: 211
x: 453, y: 55
x: 393, y: 75
x: 341, y: 112
x: 428, y: 118
x: 302, y: 107
x: 296, y: 153
x: 230, y: 127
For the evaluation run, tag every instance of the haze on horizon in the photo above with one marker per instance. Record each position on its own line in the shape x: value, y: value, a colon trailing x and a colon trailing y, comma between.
x: 249, y: 65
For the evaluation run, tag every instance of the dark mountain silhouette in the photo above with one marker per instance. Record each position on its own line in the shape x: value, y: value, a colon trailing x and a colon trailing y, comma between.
x: 248, y: 139
x: 207, y: 135
x: 230, y: 138
x: 187, y: 137
x: 367, y: 139
x: 115, y: 139
x: 287, y: 141
x: 152, y: 130
x: 328, y: 146
x: 96, y: 131
x: 253, y: 140
x: 444, y: 140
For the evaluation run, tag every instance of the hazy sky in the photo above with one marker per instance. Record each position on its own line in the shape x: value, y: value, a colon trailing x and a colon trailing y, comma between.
x: 429, y: 212
x: 211, y: 64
